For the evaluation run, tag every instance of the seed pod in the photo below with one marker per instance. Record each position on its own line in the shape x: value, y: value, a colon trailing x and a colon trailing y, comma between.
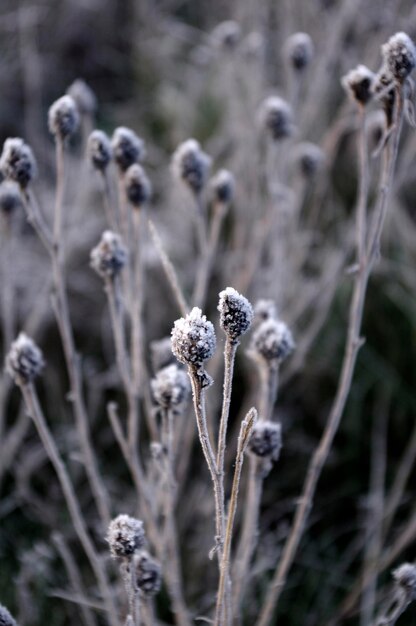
x: 128, y: 148
x: 191, y: 165
x: 358, y: 83
x: 5, y: 617
x: 272, y: 340
x: 193, y: 338
x: 24, y: 361
x: 170, y: 387
x: 236, y: 313
x: 99, y: 150
x: 298, y: 50
x: 399, y: 55
x: 125, y: 536
x: 84, y: 97
x: 10, y: 197
x: 222, y: 185
x: 308, y: 159
x: 148, y: 574
x: 266, y: 440
x: 110, y: 256
x: 226, y: 35
x: 17, y: 162
x: 63, y: 117
x: 137, y: 186
x: 276, y: 118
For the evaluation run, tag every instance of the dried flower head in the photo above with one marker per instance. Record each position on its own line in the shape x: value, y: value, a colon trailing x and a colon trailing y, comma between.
x: 399, y: 55
x: 125, y: 536
x: 358, y: 83
x: 405, y: 576
x: 272, y: 340
x: 226, y: 35
x: 137, y: 186
x: 84, y: 97
x: 5, y: 617
x: 99, y: 149
x: 191, y: 165
x: 161, y: 353
x: 148, y: 574
x: 308, y: 159
x: 110, y: 256
x: 63, y: 117
x: 24, y: 361
x: 128, y: 148
x: 17, y: 162
x: 170, y: 387
x: 276, y: 117
x: 236, y: 313
x: 264, y: 310
x: 266, y: 440
x: 222, y: 185
x: 10, y: 197
x: 193, y: 338
x: 298, y: 50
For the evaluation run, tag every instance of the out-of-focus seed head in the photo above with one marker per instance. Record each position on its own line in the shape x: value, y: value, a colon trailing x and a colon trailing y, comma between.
x: 99, y: 149
x: 191, y: 165
x: 236, y: 313
x: 226, y: 35
x: 110, y: 256
x: 298, y: 50
x: 272, y: 340
x: 405, y: 577
x: 308, y: 158
x: 170, y: 387
x: 383, y: 87
x: 399, y: 55
x: 193, y: 338
x: 84, y: 97
x: 276, y: 118
x: 137, y: 186
x: 6, y: 618
x: 161, y: 353
x: 24, y: 361
x: 358, y: 84
x: 128, y: 148
x: 223, y: 185
x: 63, y: 117
x: 266, y: 440
x: 253, y: 46
x: 17, y: 162
x: 125, y: 536
x: 264, y: 310
x: 10, y: 197
x: 376, y: 127
x: 148, y: 574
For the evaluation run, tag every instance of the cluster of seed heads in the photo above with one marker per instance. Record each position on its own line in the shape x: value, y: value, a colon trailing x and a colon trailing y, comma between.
x: 272, y: 340
x: 276, y: 118
x: 5, y: 617
x: 148, y: 574
x: 128, y: 148
x: 266, y: 440
x: 191, y: 165
x: 63, y: 117
x: 137, y: 186
x: 99, y: 150
x: 110, y: 256
x: 84, y: 97
x: 223, y: 185
x: 236, y: 313
x: 358, y: 83
x: 170, y: 387
x: 17, y: 162
x: 298, y: 50
x: 125, y: 536
x: 24, y: 361
x: 193, y: 339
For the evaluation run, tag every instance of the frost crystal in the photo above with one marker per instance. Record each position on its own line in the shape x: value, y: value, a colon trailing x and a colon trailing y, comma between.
x: 25, y: 361
x: 191, y: 165
x: 125, y: 536
x: 236, y: 313
x: 193, y: 338
x: 110, y: 256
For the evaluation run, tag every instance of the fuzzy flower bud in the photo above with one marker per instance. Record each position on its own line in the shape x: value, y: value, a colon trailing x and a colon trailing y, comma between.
x: 191, y: 165
x: 148, y: 574
x: 308, y: 158
x: 298, y: 50
x: 170, y: 387
x: 125, y: 536
x: 161, y: 353
x: 24, y: 361
x: 193, y: 338
x: 17, y: 161
x: 10, y: 197
x: 276, y: 118
x: 266, y: 440
x: 63, y: 117
x: 110, y: 256
x: 236, y: 313
x: 5, y: 617
x: 405, y: 576
x: 273, y: 340
x: 399, y: 54
x: 222, y: 185
x: 99, y: 150
x: 84, y: 97
x: 137, y: 186
x: 128, y: 148
x: 358, y: 83
x: 226, y: 35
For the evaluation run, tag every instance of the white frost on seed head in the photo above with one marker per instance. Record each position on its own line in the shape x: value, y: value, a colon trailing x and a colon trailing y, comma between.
x: 193, y: 338
x: 125, y: 536
x: 236, y: 313
x: 24, y: 361
x: 191, y: 165
x: 399, y: 54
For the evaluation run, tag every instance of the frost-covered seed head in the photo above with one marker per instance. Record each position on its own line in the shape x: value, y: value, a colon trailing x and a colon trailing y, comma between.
x: 358, y: 83
x: 99, y: 149
x: 170, y: 387
x: 264, y: 310
x: 191, y: 165
x: 125, y: 536
x: 399, y: 54
x: 148, y: 574
x: 17, y: 161
x: 273, y: 340
x: 161, y: 353
x: 236, y: 313
x: 110, y: 256
x: 84, y: 97
x: 276, y: 117
x: 298, y: 50
x: 137, y: 186
x: 266, y: 440
x: 10, y: 197
x: 405, y: 576
x: 128, y: 148
x: 226, y: 35
x: 308, y: 158
x: 222, y: 185
x: 5, y: 617
x: 193, y: 338
x: 24, y: 361
x: 63, y: 117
